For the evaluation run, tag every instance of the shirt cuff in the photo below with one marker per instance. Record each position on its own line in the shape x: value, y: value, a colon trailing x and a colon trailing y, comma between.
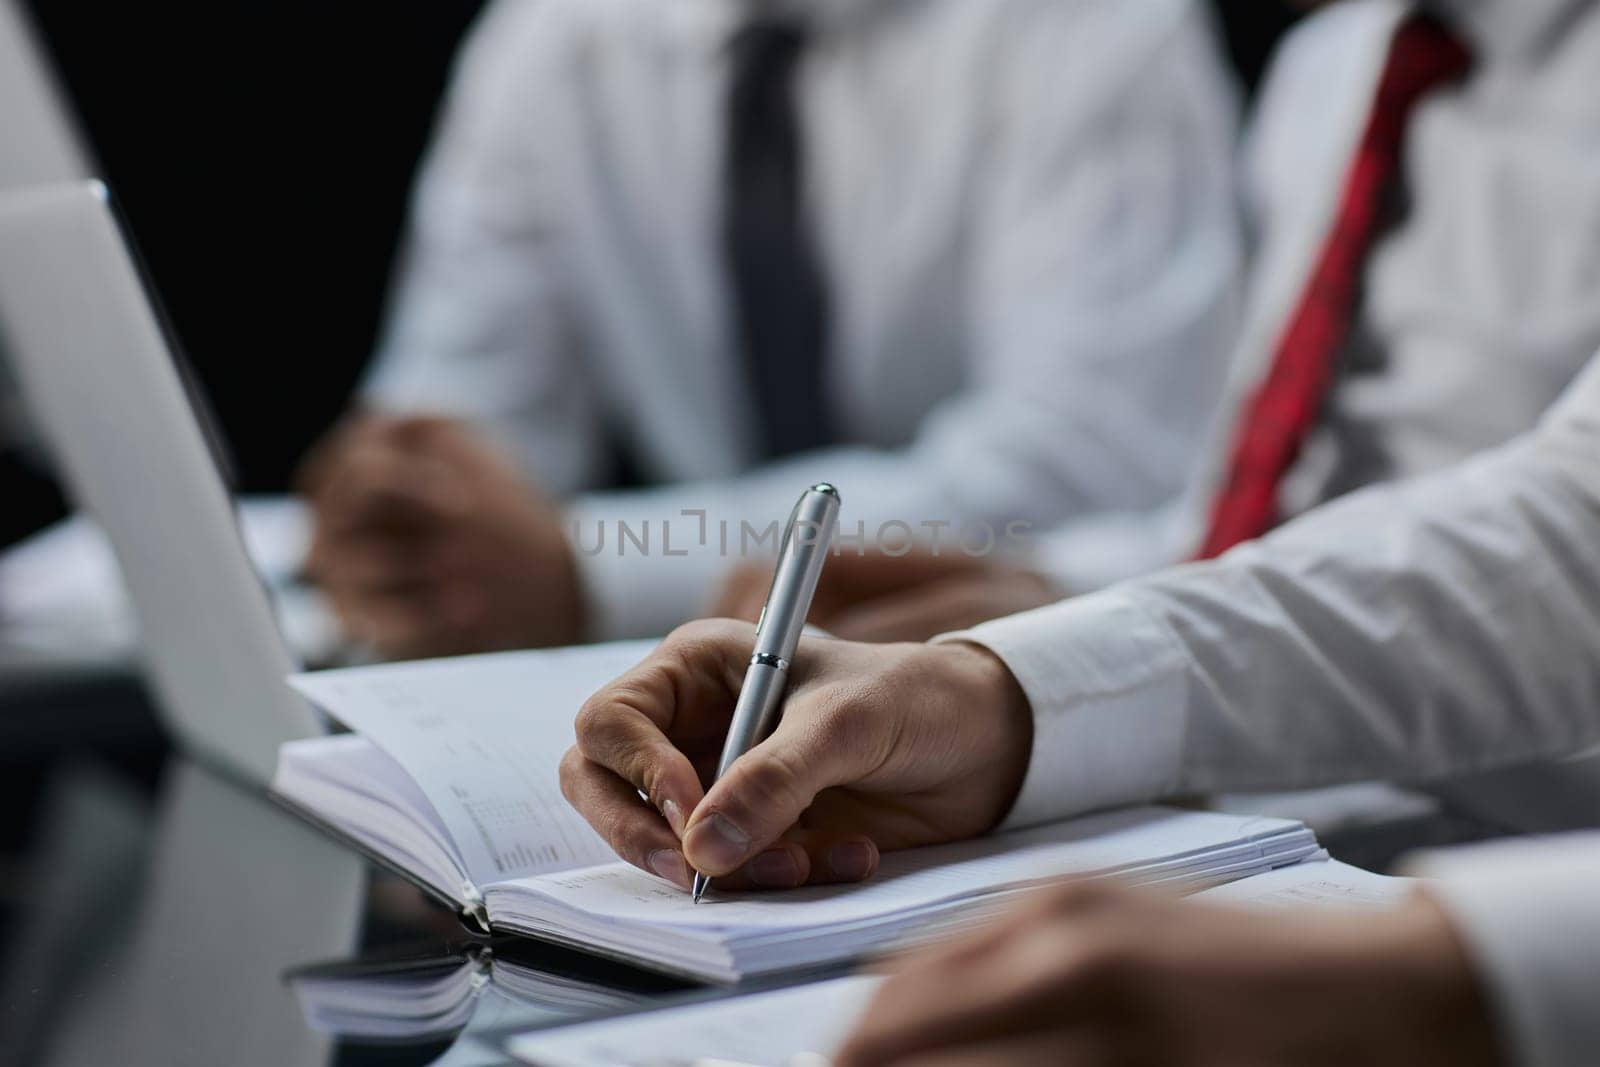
x: 1526, y: 910
x: 1106, y: 681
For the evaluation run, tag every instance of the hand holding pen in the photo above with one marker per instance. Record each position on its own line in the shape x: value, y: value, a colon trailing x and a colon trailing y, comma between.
x: 878, y: 747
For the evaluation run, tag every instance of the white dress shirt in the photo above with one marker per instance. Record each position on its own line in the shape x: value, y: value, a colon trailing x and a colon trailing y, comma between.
x: 1438, y: 628
x: 1481, y: 299
x: 1443, y: 626
x: 1027, y: 223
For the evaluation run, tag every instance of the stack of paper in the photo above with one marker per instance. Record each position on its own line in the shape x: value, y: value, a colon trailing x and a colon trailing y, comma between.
x: 616, y: 910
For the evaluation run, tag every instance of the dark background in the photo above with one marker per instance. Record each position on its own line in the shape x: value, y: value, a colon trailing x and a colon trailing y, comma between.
x: 263, y: 151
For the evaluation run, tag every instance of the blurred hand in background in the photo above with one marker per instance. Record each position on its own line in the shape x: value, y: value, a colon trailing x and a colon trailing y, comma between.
x: 883, y: 598
x: 880, y: 747
x: 429, y: 541
x: 1093, y: 974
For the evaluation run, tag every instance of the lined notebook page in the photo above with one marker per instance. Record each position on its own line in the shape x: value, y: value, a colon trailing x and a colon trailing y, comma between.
x: 483, y: 738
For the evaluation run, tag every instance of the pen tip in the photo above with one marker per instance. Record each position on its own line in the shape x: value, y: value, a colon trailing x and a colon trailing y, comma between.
x: 700, y: 883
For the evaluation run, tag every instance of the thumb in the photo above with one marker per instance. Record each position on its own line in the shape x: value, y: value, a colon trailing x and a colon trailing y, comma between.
x: 763, y: 795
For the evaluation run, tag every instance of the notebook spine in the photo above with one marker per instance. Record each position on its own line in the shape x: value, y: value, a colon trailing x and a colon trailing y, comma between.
x: 470, y: 907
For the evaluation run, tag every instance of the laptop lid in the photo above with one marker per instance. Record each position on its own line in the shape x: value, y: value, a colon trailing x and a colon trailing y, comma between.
x: 104, y: 382
x: 39, y: 143
x: 39, y: 140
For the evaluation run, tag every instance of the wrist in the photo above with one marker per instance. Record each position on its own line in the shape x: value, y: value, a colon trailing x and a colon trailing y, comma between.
x: 993, y: 693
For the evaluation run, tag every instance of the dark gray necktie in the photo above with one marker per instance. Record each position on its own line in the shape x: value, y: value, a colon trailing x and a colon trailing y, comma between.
x: 780, y: 308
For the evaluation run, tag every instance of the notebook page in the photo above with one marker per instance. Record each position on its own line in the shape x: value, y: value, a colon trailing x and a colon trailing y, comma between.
x: 763, y: 1029
x: 483, y: 737
x: 905, y: 881
x: 1326, y: 883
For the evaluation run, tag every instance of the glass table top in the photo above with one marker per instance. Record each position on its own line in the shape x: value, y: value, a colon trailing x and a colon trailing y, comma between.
x: 210, y: 926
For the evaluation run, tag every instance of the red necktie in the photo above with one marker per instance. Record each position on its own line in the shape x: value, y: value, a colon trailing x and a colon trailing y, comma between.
x: 1279, y: 416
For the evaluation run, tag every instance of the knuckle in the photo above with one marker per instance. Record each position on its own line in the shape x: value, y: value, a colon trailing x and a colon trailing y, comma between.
x: 606, y: 737
x: 571, y: 772
x: 705, y: 638
x: 602, y: 733
x: 652, y: 765
x: 690, y: 634
x: 599, y: 725
x: 591, y: 716
x: 617, y: 830
x: 714, y: 649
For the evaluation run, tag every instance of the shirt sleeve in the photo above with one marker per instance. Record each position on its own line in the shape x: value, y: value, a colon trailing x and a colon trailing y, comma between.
x: 1107, y: 693
x: 1103, y: 299
x: 481, y: 319
x: 1526, y: 909
x: 1410, y: 632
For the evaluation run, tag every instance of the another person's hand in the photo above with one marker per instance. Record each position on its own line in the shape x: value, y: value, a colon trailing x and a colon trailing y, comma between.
x: 955, y: 603
x: 429, y: 541
x: 911, y: 597
x: 880, y: 747
x: 1093, y: 975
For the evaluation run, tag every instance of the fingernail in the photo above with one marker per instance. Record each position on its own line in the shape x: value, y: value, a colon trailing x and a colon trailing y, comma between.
x: 674, y: 815
x: 669, y: 864
x: 717, y: 844
x: 774, y: 870
x: 852, y: 860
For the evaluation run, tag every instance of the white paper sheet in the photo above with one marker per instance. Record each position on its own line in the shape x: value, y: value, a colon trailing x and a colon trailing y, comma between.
x: 764, y: 1030
x: 1323, y: 883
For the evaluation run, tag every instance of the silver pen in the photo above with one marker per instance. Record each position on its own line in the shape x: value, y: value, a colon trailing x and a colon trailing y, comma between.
x: 805, y: 547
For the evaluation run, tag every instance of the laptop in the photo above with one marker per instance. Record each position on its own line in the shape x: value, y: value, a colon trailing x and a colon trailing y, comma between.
x: 39, y: 140
x: 39, y: 143
x: 104, y: 380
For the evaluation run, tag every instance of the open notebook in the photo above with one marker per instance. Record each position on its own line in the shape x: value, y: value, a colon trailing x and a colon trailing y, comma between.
x: 451, y: 779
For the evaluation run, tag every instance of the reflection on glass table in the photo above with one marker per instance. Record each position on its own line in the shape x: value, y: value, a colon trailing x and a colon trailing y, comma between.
x: 196, y: 930
x: 409, y: 998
